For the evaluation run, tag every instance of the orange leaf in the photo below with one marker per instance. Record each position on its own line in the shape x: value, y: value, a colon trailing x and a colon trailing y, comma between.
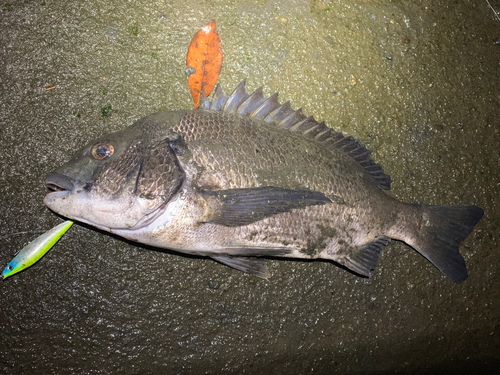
x: 204, y: 57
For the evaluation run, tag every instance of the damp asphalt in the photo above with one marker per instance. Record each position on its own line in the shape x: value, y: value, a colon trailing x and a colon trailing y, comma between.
x: 417, y: 82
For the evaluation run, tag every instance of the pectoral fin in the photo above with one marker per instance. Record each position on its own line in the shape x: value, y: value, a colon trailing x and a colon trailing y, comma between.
x: 237, y: 207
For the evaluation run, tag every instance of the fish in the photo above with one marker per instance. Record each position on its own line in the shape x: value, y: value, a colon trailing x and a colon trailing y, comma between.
x: 244, y: 178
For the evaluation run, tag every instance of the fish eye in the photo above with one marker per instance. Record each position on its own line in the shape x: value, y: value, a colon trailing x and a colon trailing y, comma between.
x: 102, y: 151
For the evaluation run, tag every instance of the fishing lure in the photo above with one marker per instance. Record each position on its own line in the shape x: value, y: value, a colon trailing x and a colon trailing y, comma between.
x: 36, y: 249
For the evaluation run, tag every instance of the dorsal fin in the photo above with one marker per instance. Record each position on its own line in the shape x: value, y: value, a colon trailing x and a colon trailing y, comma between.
x: 256, y: 105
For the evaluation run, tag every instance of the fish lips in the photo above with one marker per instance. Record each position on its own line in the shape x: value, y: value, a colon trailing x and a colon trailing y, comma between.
x: 60, y: 185
x: 58, y: 182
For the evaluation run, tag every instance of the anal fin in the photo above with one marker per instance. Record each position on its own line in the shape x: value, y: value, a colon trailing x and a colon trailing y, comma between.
x: 364, y: 259
x: 250, y: 265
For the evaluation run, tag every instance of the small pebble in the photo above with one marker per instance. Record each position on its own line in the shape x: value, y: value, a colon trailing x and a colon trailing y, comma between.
x: 111, y: 32
x: 213, y: 285
x: 190, y: 71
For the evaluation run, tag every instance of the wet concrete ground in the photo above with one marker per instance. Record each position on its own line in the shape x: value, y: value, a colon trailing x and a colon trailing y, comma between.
x: 418, y: 84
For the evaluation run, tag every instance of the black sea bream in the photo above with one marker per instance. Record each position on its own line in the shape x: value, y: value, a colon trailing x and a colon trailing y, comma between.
x: 244, y: 177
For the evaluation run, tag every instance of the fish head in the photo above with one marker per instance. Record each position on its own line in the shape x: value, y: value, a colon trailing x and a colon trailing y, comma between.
x: 122, y: 180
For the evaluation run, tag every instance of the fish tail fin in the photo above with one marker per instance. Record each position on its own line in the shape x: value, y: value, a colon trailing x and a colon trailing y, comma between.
x: 438, y: 233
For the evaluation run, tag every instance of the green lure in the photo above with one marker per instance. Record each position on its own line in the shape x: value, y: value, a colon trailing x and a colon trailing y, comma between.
x: 36, y: 249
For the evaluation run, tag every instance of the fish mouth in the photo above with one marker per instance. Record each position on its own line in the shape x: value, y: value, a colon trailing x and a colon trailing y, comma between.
x: 59, y: 183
